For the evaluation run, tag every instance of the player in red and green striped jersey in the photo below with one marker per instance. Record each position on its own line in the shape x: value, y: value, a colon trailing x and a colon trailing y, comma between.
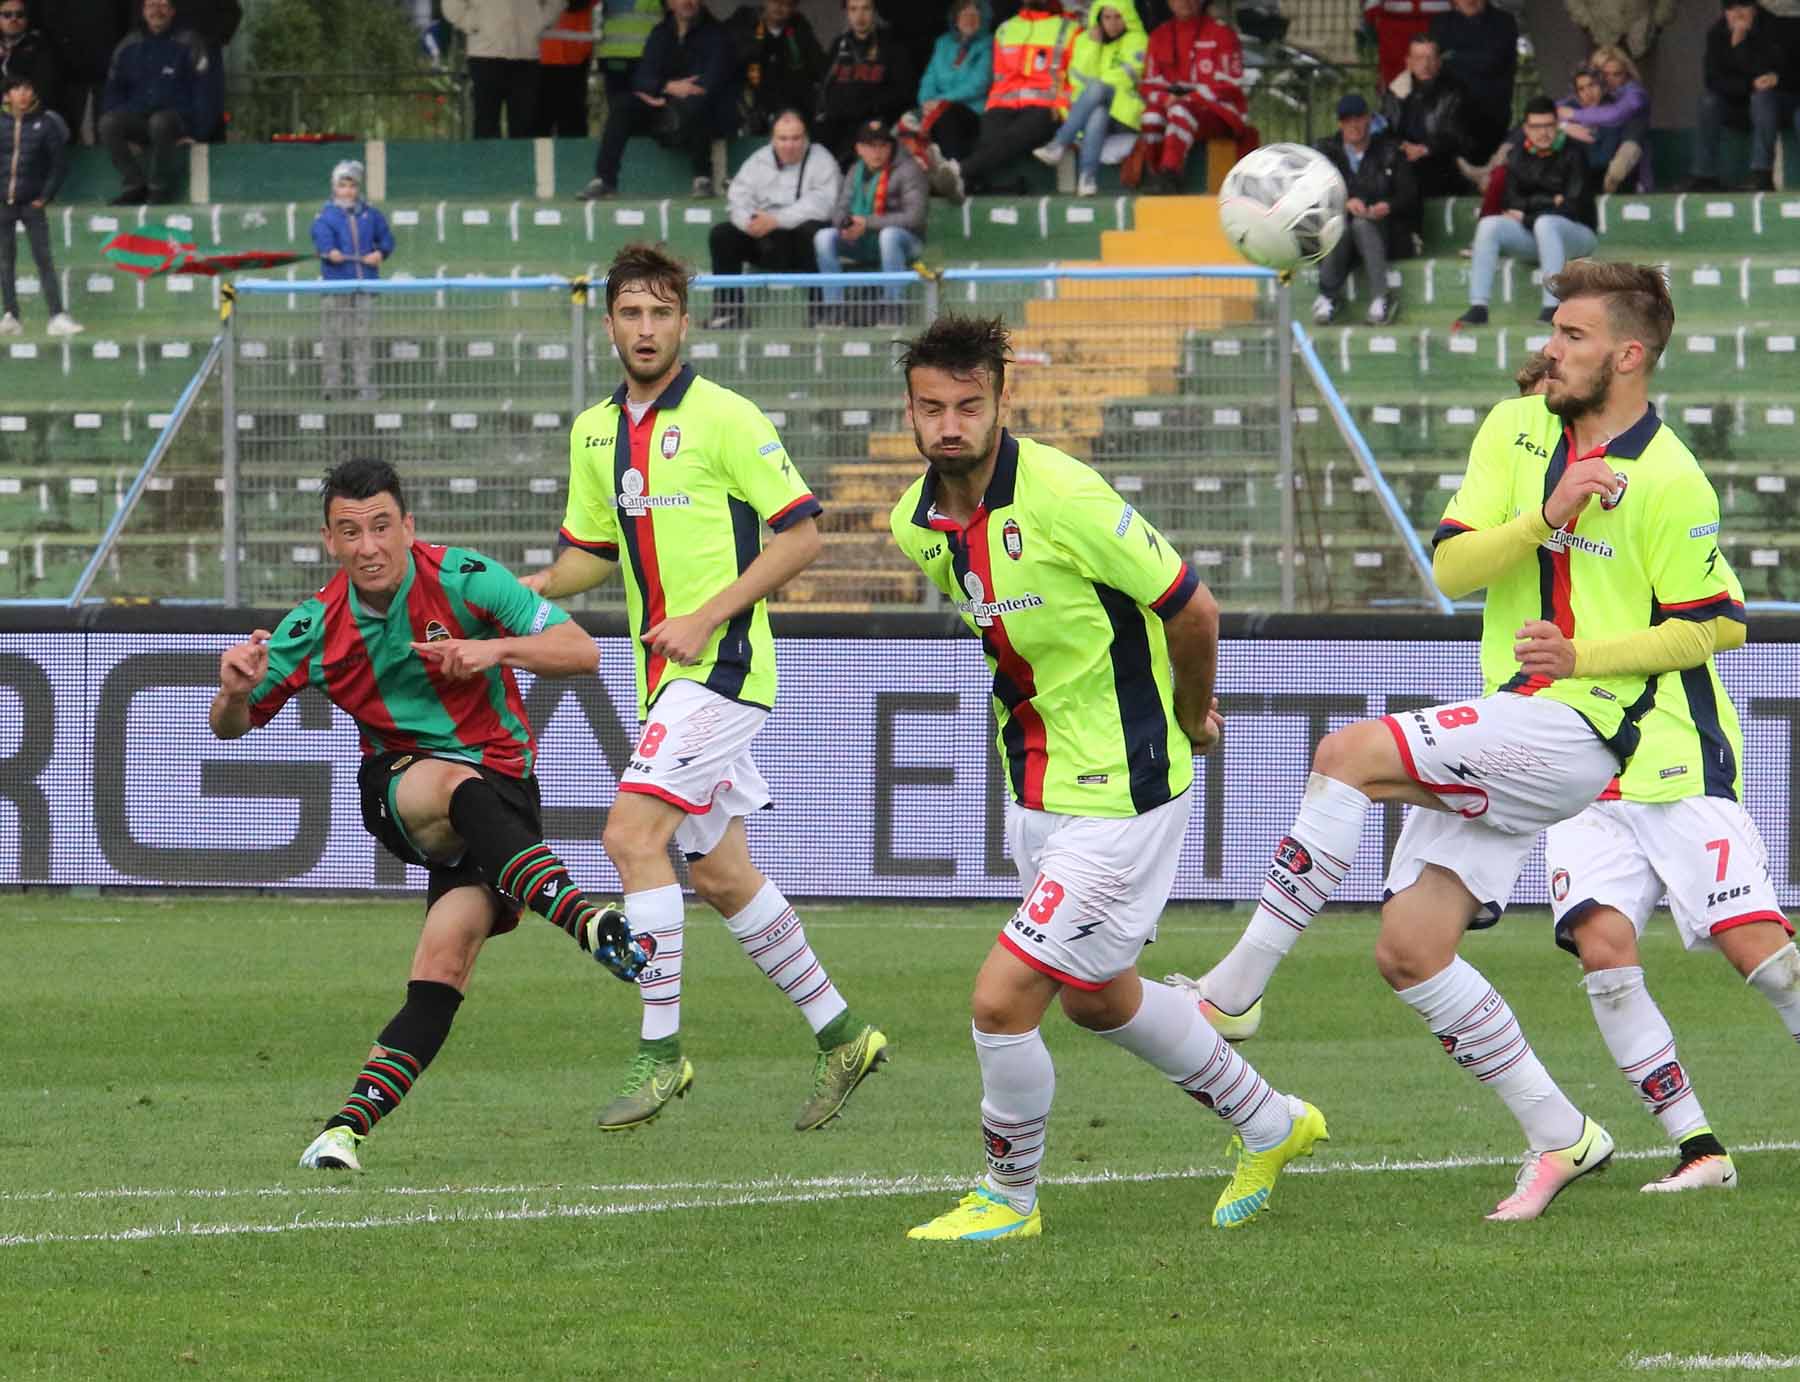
x: 417, y: 643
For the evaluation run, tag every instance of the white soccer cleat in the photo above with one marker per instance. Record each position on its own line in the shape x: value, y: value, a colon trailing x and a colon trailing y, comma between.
x: 1234, y: 1027
x: 11, y: 326
x: 1545, y: 1175
x: 62, y: 324
x: 1710, y: 1172
x: 332, y: 1150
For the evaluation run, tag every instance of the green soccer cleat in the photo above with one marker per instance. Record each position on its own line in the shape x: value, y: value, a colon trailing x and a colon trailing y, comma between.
x: 650, y: 1083
x: 837, y: 1073
x: 333, y: 1150
x: 1254, y: 1180
x: 980, y: 1216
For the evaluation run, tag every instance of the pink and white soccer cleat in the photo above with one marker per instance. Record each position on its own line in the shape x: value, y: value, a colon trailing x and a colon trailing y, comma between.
x: 1713, y: 1171
x: 1545, y: 1174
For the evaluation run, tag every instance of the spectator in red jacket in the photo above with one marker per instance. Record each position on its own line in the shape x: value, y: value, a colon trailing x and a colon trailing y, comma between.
x: 1193, y: 90
x: 1393, y: 24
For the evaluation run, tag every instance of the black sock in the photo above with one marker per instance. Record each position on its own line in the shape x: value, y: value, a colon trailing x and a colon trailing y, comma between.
x: 409, y: 1041
x: 515, y: 860
x: 1701, y: 1144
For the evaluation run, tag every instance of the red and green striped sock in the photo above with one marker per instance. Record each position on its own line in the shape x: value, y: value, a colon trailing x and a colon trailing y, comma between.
x: 537, y: 878
x: 409, y: 1042
x: 383, y: 1083
x: 515, y: 859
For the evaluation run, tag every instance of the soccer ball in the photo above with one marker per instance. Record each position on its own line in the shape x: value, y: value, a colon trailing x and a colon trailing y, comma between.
x: 1283, y: 206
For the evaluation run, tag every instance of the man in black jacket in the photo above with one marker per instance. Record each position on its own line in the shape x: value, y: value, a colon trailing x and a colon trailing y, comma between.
x: 157, y: 94
x: 1548, y: 215
x: 1745, y: 87
x: 781, y: 60
x: 682, y: 94
x: 1425, y: 108
x: 34, y: 159
x: 85, y: 33
x: 868, y: 76
x: 25, y: 51
x: 1383, y: 211
x: 1480, y: 44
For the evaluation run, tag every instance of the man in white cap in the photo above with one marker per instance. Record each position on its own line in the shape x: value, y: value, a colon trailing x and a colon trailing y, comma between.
x: 353, y: 241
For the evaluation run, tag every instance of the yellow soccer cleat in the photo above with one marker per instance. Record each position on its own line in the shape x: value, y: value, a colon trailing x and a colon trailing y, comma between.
x: 979, y: 1216
x: 1254, y: 1180
x: 837, y: 1073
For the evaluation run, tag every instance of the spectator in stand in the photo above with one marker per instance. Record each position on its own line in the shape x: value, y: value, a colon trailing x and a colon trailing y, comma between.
x: 954, y: 90
x: 564, y: 54
x: 214, y: 23
x: 868, y: 76
x: 1423, y: 108
x: 26, y: 51
x: 682, y: 96
x: 1623, y: 110
x: 503, y: 37
x: 155, y: 98
x: 625, y: 29
x: 34, y: 147
x: 1548, y: 215
x: 85, y: 33
x: 1032, y: 51
x: 1383, y: 208
x: 1393, y: 23
x: 781, y: 60
x: 1107, y: 67
x: 1742, y: 89
x: 778, y: 201
x: 1480, y: 44
x: 1193, y: 91
x: 353, y: 241
x: 1598, y: 143
x: 879, y: 217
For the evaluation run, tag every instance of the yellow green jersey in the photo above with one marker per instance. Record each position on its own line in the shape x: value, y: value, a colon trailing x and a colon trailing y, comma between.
x: 1067, y: 587
x: 1641, y: 555
x: 680, y: 497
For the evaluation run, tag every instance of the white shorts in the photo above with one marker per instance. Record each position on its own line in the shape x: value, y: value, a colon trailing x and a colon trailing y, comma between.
x: 1705, y: 852
x: 695, y: 753
x: 1094, y: 888
x: 1507, y: 766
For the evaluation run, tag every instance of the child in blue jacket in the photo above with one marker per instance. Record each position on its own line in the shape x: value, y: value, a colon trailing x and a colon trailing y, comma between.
x: 353, y: 241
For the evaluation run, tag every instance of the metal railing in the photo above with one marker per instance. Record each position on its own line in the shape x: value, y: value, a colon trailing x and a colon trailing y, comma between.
x: 366, y: 105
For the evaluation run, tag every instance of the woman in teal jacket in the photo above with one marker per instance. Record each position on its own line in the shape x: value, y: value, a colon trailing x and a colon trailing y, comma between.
x: 1107, y: 64
x: 954, y: 90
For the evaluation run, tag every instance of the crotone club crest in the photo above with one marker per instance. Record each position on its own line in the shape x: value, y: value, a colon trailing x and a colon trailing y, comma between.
x: 671, y: 443
x: 1011, y: 539
x: 1612, y: 500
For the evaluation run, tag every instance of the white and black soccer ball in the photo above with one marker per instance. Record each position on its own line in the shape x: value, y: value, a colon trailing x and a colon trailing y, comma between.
x: 1283, y: 206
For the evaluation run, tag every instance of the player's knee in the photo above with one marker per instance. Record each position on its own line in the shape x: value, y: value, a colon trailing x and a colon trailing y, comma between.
x: 1604, y: 940
x: 1343, y: 754
x: 1401, y: 961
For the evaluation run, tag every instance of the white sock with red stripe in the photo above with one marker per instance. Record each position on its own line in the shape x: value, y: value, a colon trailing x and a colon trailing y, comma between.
x: 1479, y: 1032
x: 771, y: 934
x: 1017, y: 1084
x: 1168, y: 1032
x: 1643, y: 1046
x: 1309, y: 863
x: 1778, y: 979
x: 659, y: 911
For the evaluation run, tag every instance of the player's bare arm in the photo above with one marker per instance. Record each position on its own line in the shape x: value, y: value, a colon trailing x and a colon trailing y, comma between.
x: 1193, y: 637
x: 682, y: 639
x: 241, y: 670
x: 572, y: 572
x: 562, y: 650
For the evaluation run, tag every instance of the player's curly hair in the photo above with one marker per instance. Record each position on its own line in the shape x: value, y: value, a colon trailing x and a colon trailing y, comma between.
x: 961, y: 347
x: 1636, y: 297
x: 362, y: 477
x: 651, y: 268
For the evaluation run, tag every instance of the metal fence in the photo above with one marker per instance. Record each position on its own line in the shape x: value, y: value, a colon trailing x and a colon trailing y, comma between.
x: 1171, y: 381
x: 365, y: 105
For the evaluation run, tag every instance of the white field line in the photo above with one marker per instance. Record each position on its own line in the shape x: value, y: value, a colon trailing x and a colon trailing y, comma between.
x: 708, y: 1195
x: 1712, y: 1362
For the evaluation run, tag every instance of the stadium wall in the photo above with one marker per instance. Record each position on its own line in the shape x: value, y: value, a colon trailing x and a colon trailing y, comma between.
x: 879, y: 753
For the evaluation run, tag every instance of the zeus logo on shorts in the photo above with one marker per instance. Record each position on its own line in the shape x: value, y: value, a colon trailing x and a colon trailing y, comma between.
x: 1727, y: 895
x: 1291, y: 855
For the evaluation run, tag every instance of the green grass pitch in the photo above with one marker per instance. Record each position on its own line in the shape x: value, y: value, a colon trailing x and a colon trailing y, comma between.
x: 163, y: 1060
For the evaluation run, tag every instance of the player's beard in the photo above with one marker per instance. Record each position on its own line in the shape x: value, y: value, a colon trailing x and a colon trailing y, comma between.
x: 1571, y: 405
x: 645, y: 374
x: 965, y: 460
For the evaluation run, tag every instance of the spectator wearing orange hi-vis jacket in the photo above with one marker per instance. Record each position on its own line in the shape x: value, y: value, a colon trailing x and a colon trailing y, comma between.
x: 1029, y: 93
x: 1193, y: 90
x: 564, y: 53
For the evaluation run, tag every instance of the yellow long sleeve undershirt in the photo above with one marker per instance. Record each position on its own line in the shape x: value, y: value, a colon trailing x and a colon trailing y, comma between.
x: 1471, y: 559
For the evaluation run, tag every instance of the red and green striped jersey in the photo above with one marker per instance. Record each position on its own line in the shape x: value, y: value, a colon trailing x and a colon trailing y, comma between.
x: 1647, y: 554
x: 365, y: 662
x: 685, y: 491
x: 1067, y: 587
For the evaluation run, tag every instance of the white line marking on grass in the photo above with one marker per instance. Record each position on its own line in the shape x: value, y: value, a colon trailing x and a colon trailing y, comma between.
x: 1711, y: 1362
x: 701, y: 1195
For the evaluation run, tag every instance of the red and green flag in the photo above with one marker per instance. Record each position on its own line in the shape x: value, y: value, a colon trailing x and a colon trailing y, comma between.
x: 150, y: 250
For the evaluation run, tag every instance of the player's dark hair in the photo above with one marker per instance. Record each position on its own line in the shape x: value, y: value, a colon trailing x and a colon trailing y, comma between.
x: 362, y: 478
x: 1540, y: 105
x: 1636, y: 297
x: 648, y: 267
x: 961, y: 347
x: 1532, y: 372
